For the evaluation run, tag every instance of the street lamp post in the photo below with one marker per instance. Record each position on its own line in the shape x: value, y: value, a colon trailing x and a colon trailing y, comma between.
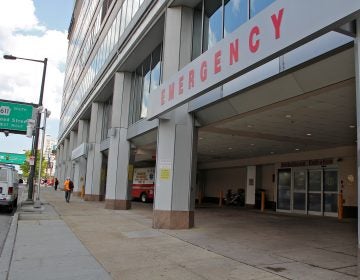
x: 38, y: 119
x: 46, y: 115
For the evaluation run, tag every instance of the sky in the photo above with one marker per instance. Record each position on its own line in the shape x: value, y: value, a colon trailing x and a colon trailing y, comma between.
x: 34, y: 29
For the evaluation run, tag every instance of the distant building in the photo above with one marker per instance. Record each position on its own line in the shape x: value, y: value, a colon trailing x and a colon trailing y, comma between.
x: 49, y: 154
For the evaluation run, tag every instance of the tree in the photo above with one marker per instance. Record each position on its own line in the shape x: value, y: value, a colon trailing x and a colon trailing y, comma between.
x: 25, y: 167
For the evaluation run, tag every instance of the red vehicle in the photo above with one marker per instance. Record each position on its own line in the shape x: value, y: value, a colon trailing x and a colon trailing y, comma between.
x: 143, y: 184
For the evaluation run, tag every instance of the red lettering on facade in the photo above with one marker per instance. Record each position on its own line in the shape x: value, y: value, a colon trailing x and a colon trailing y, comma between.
x: 234, y: 51
x: 203, y: 71
x: 254, y: 46
x: 276, y: 20
x: 181, y: 85
x: 191, y: 79
x: 162, y: 97
x: 217, y: 62
x: 171, y: 91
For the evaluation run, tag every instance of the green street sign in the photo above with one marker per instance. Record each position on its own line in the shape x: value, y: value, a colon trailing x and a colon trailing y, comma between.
x: 14, y: 116
x: 11, y: 158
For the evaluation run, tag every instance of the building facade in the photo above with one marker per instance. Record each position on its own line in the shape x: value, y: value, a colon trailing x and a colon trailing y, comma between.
x: 223, y: 94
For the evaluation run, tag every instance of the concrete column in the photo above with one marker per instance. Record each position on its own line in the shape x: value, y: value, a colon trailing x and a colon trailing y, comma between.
x: 118, y: 195
x: 66, y: 159
x: 80, y: 163
x: 63, y: 165
x: 57, y: 158
x: 250, y: 185
x: 72, y: 146
x: 93, y: 169
x: 177, y: 136
x: 357, y: 84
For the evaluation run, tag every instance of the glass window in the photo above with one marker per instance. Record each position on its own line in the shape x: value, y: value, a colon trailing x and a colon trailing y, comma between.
x: 135, y: 7
x: 155, y: 69
x: 146, y: 87
x: 235, y: 14
x: 212, y: 23
x: 123, y: 18
x: 196, y: 43
x: 284, y: 189
x: 330, y: 180
x: 128, y: 12
x: 256, y: 6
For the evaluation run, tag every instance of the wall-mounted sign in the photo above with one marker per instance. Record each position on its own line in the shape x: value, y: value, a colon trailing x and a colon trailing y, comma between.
x: 14, y: 116
x: 281, y: 27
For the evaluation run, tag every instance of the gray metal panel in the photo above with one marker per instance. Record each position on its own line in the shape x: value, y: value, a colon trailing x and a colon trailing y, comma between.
x: 105, y: 144
x: 315, y: 48
x: 141, y: 127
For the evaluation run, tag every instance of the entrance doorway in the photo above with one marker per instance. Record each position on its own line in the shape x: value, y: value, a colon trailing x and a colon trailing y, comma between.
x: 308, y: 191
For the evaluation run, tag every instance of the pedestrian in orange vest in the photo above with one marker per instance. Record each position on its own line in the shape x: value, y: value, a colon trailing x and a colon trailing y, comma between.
x: 68, y: 188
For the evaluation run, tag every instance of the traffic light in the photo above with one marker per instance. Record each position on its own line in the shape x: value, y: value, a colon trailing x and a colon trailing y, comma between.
x: 30, y: 128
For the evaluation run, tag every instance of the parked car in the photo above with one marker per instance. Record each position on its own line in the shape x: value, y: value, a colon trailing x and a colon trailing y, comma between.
x: 9, y: 186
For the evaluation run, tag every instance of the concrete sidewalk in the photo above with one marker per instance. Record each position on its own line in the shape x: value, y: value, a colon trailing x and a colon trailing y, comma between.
x: 43, y: 247
x: 82, y: 240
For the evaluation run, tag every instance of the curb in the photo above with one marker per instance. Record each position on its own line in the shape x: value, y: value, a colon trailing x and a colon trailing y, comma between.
x: 7, y: 252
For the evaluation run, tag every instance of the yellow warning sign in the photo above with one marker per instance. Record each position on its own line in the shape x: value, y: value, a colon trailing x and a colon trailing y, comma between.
x: 165, y: 173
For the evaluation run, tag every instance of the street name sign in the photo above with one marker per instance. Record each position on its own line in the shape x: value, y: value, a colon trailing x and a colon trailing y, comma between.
x: 11, y: 158
x: 14, y: 116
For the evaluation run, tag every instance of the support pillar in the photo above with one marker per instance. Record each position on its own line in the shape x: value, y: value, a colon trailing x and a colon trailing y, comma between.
x: 93, y: 170
x: 81, y: 162
x: 66, y: 159
x: 72, y: 145
x: 357, y: 85
x: 118, y: 192
x: 250, y: 185
x: 177, y: 137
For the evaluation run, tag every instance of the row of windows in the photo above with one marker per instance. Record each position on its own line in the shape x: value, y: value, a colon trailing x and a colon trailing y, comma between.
x: 86, y: 14
x: 78, y: 61
x: 145, y: 79
x: 215, y: 19
x: 121, y: 21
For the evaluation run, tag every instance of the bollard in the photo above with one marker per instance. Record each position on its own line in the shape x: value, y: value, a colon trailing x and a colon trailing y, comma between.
x: 262, y: 201
x: 340, y: 206
x: 220, y: 198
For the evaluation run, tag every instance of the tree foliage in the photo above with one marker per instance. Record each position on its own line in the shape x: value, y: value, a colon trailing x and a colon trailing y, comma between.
x: 25, y: 167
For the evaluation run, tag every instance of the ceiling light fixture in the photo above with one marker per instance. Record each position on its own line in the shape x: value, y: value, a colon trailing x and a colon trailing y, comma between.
x: 249, y: 126
x: 229, y: 148
x: 297, y: 149
x: 252, y: 144
x: 352, y: 126
x: 308, y: 134
x: 288, y: 116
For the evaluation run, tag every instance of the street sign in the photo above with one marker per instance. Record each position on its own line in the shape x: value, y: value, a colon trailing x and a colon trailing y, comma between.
x: 11, y: 158
x: 31, y: 160
x: 14, y: 116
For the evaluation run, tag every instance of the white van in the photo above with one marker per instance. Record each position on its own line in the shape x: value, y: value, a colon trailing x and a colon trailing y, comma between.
x: 9, y: 187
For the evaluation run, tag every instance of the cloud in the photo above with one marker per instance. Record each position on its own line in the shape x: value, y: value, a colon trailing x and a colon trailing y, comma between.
x: 22, y: 35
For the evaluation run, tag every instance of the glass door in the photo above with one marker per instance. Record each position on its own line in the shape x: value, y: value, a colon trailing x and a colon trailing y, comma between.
x: 330, y: 194
x: 284, y: 189
x: 314, y: 201
x: 299, y: 191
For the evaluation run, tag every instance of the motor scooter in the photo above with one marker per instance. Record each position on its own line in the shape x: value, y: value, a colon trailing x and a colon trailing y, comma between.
x: 237, y: 198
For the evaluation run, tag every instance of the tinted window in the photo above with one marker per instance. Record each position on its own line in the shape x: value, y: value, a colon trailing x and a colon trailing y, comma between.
x: 236, y: 13
x: 256, y: 6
